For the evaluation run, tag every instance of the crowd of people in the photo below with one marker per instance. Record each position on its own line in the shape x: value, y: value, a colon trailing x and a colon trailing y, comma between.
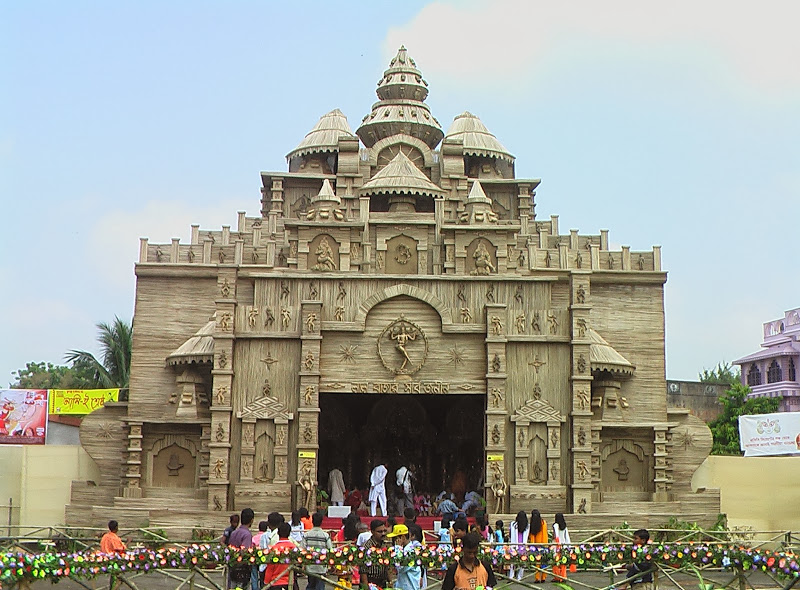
x: 403, y: 538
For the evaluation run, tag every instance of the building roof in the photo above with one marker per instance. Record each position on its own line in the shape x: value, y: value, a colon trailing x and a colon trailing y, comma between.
x: 603, y: 357
x: 197, y: 349
x: 477, y: 139
x: 324, y: 137
x: 790, y: 348
x: 400, y: 176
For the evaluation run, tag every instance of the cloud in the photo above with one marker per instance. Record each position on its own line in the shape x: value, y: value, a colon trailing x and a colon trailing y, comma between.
x: 114, y: 238
x: 504, y: 44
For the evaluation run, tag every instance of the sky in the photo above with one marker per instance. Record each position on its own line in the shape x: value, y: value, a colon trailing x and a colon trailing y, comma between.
x: 676, y: 124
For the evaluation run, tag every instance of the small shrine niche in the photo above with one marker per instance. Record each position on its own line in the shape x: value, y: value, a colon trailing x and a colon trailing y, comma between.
x: 264, y: 467
x: 625, y: 467
x: 401, y: 255
x: 265, y: 441
x: 537, y: 436
x: 323, y: 253
x: 173, y: 461
x: 481, y: 258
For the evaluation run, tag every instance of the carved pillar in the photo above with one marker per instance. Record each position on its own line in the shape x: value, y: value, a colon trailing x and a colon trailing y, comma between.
x: 133, y: 464
x: 248, y: 454
x: 553, y: 474
x: 205, y: 440
x: 582, y: 478
x: 281, y: 466
x: 661, y: 477
x: 308, y: 406
x: 496, y: 413
x: 221, y: 391
x: 276, y: 206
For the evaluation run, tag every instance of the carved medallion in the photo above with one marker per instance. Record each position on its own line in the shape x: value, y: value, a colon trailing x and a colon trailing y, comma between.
x: 403, y: 347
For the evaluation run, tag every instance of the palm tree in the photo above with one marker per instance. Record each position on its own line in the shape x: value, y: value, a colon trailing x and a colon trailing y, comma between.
x: 116, y: 341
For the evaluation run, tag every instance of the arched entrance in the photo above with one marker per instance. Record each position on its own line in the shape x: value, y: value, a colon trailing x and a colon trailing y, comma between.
x: 440, y: 437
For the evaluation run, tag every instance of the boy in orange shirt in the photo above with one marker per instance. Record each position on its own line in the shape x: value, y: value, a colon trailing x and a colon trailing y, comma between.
x: 279, y: 572
x: 111, y: 543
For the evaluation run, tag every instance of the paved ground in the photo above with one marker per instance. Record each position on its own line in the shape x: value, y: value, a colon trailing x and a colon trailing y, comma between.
x: 579, y: 581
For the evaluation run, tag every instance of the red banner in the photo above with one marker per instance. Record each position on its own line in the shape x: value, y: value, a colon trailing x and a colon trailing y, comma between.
x: 23, y: 416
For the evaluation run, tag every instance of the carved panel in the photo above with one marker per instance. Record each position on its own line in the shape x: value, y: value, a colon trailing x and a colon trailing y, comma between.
x: 481, y: 258
x: 323, y: 253
x: 401, y: 255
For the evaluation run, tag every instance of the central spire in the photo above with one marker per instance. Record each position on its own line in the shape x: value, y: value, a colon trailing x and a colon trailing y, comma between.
x: 401, y: 109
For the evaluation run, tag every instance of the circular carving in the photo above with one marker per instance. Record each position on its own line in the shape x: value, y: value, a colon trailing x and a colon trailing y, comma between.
x: 403, y: 347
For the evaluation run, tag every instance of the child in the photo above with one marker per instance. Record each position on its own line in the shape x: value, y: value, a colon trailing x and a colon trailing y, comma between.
x: 560, y: 537
x: 498, y: 535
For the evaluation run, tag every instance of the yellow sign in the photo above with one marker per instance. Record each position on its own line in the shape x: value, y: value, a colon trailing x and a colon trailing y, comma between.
x: 307, y: 454
x: 494, y: 457
x: 80, y: 401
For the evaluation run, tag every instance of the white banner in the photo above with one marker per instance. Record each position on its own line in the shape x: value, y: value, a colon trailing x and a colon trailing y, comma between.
x: 770, y: 434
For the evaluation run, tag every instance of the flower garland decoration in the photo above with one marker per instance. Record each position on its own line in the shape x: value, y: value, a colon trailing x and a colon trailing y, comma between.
x: 53, y: 566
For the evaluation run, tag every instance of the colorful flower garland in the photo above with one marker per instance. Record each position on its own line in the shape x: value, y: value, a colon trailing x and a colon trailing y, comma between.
x: 54, y: 566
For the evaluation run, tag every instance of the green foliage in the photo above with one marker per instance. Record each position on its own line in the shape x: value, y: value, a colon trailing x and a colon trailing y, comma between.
x: 722, y: 374
x: 677, y: 529
x: 735, y: 403
x: 116, y: 342
x: 154, y: 538
x: 49, y: 376
x: 721, y: 524
x: 201, y: 534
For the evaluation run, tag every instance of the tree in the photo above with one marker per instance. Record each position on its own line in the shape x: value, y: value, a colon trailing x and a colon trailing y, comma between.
x: 49, y: 376
x: 722, y: 374
x: 735, y: 403
x: 116, y: 342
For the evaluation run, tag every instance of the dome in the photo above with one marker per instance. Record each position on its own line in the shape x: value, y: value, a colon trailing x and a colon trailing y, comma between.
x: 324, y: 137
x: 477, y: 139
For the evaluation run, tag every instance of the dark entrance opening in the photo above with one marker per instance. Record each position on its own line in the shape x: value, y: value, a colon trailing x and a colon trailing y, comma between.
x: 439, y: 437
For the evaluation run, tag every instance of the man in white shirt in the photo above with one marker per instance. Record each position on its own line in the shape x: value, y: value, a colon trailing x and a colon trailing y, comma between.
x: 377, y: 489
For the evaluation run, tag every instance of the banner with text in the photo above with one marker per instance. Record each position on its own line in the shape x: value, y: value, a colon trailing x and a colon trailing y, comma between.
x: 80, y: 401
x: 23, y: 416
x: 770, y: 434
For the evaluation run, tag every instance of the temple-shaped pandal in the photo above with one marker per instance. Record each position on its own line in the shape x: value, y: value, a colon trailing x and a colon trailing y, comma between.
x: 396, y: 300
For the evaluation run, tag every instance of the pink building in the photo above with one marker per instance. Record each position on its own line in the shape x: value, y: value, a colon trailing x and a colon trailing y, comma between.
x: 772, y: 372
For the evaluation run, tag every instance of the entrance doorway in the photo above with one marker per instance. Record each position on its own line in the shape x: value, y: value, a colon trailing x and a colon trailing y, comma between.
x: 439, y: 437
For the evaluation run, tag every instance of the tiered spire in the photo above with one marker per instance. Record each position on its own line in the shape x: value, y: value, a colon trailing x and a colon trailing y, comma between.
x: 401, y: 109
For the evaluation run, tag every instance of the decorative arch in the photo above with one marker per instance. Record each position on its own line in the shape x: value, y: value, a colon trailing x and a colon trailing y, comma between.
x: 625, y: 444
x: 421, y: 146
x: 440, y: 306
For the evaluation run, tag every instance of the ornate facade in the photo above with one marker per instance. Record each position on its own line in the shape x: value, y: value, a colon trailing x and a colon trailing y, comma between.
x: 397, y: 300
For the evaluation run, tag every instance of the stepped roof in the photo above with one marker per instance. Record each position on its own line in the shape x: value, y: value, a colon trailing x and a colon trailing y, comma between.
x: 400, y: 176
x: 477, y: 139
